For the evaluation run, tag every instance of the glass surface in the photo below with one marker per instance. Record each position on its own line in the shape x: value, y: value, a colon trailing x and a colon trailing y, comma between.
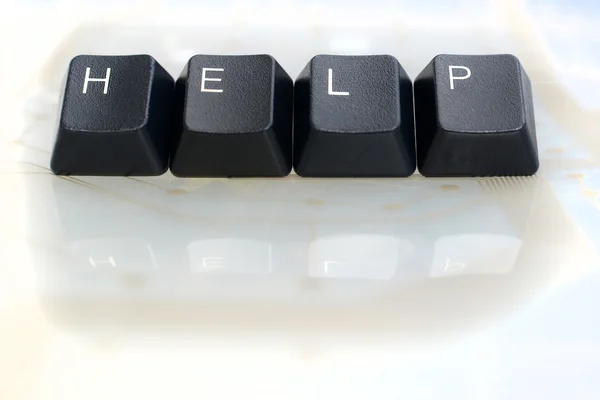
x: 159, y: 288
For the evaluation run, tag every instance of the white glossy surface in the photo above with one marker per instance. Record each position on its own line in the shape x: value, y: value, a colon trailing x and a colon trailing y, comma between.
x: 159, y: 288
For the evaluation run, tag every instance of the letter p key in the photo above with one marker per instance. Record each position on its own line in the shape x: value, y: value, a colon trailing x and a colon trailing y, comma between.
x: 451, y: 68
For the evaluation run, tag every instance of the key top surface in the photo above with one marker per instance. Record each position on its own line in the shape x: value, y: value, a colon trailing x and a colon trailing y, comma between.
x: 235, y: 118
x: 354, y: 118
x: 115, y: 118
x: 474, y: 117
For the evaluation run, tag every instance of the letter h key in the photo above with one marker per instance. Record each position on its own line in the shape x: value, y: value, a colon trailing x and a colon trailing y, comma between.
x: 115, y: 118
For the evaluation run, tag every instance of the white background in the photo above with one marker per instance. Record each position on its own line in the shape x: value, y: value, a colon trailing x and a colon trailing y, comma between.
x: 438, y: 289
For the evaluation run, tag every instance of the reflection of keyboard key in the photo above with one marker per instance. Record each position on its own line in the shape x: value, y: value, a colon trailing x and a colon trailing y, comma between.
x: 354, y: 118
x: 235, y: 116
x: 475, y: 254
x: 474, y: 117
x: 241, y: 256
x: 115, y: 118
x: 123, y: 253
x: 358, y: 256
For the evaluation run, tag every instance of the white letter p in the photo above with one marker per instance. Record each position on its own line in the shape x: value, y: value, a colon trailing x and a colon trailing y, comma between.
x: 453, y: 78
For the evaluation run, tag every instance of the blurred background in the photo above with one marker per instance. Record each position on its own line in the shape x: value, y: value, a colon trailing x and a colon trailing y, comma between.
x: 159, y: 288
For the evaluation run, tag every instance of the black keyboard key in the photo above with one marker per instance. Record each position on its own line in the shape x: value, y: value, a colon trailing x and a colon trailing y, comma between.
x: 235, y: 118
x: 116, y: 117
x: 474, y: 117
x: 354, y: 118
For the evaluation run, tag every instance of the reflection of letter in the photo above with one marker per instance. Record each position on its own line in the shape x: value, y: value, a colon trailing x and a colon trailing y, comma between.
x: 330, y: 86
x: 454, y: 266
x: 212, y: 262
x: 88, y: 79
x: 357, y: 256
x: 204, y: 79
x: 474, y: 254
x: 453, y: 78
x: 110, y: 261
x: 328, y: 263
x: 238, y: 256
